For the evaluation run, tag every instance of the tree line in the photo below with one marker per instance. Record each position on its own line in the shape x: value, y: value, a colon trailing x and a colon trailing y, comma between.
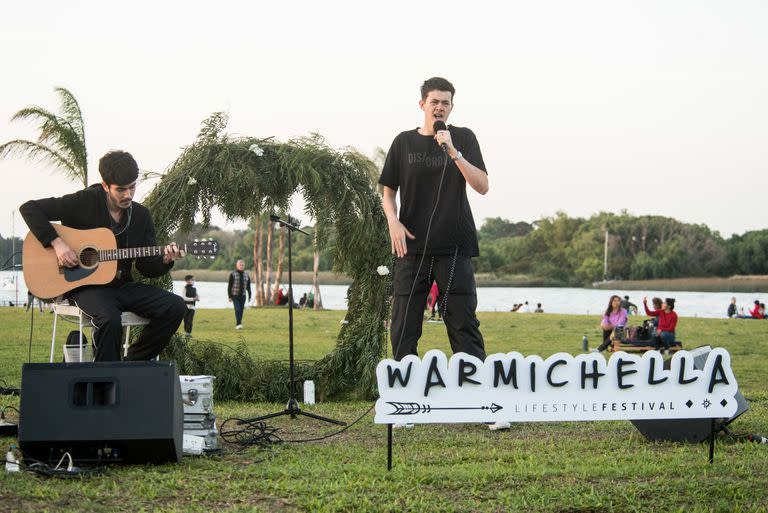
x: 557, y: 250
x: 563, y: 250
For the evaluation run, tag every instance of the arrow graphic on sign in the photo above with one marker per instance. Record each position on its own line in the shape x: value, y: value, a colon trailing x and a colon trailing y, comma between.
x: 414, y: 408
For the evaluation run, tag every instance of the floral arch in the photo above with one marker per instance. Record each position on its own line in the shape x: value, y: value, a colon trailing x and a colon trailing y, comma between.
x: 245, y: 177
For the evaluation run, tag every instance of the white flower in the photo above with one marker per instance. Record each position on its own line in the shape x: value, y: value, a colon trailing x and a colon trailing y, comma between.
x: 192, y: 181
x: 383, y: 270
x: 256, y: 149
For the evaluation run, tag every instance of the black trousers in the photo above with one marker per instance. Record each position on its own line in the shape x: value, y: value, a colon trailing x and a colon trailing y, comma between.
x: 606, y: 340
x: 459, y: 316
x: 189, y: 316
x: 105, y: 305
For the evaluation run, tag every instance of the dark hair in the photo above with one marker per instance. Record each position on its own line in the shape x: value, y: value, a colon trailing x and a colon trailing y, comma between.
x: 188, y: 277
x: 436, y: 84
x: 118, y: 168
x: 670, y: 301
x: 610, y: 303
x: 656, y: 303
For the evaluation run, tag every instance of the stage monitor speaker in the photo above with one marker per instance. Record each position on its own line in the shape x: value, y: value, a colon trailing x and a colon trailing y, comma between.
x: 119, y: 412
x: 688, y: 430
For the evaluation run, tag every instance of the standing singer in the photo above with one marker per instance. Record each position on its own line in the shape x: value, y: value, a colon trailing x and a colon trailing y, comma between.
x: 434, y: 236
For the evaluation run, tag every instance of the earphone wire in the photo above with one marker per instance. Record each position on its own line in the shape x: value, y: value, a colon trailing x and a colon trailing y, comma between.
x: 127, y: 222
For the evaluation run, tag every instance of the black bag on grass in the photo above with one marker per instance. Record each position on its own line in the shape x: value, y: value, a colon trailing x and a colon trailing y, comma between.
x: 73, y: 339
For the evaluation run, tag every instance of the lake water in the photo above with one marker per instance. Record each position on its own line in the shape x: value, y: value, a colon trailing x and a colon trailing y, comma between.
x: 490, y: 299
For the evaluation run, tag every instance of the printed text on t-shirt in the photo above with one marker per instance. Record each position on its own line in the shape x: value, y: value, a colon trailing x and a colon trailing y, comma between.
x: 422, y: 157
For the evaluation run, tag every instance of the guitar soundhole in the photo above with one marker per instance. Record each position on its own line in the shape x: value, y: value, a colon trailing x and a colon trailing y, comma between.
x: 89, y: 257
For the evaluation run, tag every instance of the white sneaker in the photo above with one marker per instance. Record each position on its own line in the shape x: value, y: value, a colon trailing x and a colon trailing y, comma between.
x: 498, y: 426
x: 402, y: 425
x: 239, y: 327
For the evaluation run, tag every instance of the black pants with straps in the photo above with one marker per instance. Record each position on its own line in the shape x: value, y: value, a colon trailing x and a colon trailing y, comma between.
x: 459, y: 315
x: 105, y: 305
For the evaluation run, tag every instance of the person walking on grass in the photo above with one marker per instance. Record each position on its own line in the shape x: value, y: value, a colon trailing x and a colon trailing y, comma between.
x: 239, y: 285
x: 190, y: 298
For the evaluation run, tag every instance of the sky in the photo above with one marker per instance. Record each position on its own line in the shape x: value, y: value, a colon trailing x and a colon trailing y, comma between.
x: 654, y: 107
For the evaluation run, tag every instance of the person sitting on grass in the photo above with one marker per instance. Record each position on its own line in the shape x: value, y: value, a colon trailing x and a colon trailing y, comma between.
x: 756, y: 313
x: 667, y: 322
x: 615, y: 316
x: 657, y: 302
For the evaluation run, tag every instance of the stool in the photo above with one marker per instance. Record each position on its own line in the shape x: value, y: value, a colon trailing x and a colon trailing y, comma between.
x: 128, y: 319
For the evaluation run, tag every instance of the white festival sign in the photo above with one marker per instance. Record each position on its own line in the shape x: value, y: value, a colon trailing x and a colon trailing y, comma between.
x: 516, y: 388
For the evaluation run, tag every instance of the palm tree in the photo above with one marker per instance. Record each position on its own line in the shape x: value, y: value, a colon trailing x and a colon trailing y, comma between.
x: 62, y: 138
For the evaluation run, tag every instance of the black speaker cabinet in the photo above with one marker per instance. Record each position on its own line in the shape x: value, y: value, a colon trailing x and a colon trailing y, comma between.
x: 121, y: 412
x: 688, y: 430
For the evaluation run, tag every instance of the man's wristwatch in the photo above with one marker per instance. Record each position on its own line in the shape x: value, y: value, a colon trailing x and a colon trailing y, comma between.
x: 458, y: 156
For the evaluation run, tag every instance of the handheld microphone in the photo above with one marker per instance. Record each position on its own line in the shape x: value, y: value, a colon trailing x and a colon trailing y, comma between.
x: 439, y: 125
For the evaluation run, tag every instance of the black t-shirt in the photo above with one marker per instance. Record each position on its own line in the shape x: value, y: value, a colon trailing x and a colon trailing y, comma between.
x: 414, y: 165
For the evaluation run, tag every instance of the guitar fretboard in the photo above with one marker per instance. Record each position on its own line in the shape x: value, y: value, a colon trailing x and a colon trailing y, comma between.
x: 123, y: 253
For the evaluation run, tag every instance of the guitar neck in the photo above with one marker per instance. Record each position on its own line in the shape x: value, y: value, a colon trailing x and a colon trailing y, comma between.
x: 127, y: 253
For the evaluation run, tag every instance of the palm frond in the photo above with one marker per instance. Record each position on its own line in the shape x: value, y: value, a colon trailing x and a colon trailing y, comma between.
x: 61, y: 137
x: 41, y: 153
x: 71, y: 111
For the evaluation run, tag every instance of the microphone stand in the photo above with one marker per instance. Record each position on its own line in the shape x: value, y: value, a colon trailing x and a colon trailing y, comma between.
x: 292, y: 408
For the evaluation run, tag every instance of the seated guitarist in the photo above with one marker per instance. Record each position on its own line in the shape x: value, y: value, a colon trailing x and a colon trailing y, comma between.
x: 110, y: 205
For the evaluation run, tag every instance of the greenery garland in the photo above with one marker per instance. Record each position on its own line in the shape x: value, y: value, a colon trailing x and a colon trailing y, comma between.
x: 244, y: 177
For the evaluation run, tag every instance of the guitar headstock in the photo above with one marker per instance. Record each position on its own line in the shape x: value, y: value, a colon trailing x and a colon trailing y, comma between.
x: 203, y: 248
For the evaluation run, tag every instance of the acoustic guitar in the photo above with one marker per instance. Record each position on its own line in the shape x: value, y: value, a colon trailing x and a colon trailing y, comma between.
x: 97, y: 252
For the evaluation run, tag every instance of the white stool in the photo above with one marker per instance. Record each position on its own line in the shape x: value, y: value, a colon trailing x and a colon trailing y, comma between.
x: 128, y: 319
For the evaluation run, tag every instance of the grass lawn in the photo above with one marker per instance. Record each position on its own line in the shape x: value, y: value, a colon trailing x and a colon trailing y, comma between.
x: 586, y: 466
